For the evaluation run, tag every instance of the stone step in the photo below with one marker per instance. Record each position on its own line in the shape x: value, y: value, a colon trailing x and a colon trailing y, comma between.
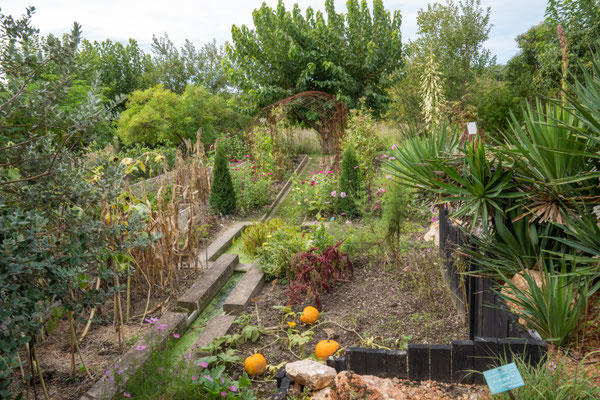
x: 209, y: 283
x: 246, y: 289
x: 217, y: 327
x: 223, y: 242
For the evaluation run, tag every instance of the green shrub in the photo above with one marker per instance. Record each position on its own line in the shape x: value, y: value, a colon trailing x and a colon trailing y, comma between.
x: 275, y: 255
x: 256, y: 234
x: 252, y: 190
x: 222, y: 193
x: 351, y: 185
x: 314, y: 196
x: 362, y: 137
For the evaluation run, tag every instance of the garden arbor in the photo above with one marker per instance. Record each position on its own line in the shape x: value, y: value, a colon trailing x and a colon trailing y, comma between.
x: 319, y: 110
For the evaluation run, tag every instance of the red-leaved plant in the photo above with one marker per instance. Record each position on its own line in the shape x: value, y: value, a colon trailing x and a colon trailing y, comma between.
x: 311, y: 272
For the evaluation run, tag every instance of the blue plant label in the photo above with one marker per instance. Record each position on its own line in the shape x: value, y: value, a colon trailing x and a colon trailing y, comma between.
x: 501, y: 379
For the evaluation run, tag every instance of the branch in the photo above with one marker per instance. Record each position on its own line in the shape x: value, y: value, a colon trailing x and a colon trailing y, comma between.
x: 25, y: 83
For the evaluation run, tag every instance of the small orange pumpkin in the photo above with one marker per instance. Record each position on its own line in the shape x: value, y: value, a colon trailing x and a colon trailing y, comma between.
x: 255, y: 364
x: 309, y: 315
x: 326, y: 348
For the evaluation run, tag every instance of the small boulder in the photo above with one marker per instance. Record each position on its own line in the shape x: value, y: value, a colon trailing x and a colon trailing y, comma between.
x: 366, y: 387
x: 324, y: 394
x: 310, y: 373
x: 433, y: 234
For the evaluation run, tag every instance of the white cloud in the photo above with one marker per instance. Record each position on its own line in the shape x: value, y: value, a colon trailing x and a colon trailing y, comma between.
x: 202, y: 20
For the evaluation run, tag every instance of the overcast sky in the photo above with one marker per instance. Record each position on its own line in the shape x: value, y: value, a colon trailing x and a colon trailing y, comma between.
x: 202, y: 20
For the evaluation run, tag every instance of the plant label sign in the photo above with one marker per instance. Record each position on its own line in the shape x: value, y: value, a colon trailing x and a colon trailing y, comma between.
x: 501, y: 379
x: 472, y: 128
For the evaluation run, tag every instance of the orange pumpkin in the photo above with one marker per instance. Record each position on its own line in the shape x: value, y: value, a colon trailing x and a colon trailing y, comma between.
x: 255, y: 364
x: 309, y: 315
x: 326, y: 348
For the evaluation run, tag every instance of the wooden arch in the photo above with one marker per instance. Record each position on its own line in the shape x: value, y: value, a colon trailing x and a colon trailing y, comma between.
x: 319, y: 110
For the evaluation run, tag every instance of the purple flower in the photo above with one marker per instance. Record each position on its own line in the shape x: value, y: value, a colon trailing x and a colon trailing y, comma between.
x: 223, y: 394
x: 356, y: 167
x: 348, y: 223
x: 313, y: 183
x: 434, y: 218
x: 194, y: 378
x: 333, y: 194
x: 125, y: 394
x: 233, y: 388
x: 342, y: 194
x: 203, y: 364
x: 161, y: 327
x: 151, y: 320
x: 405, y: 268
x: 176, y: 335
x: 394, y: 147
x: 141, y: 347
x: 392, y: 158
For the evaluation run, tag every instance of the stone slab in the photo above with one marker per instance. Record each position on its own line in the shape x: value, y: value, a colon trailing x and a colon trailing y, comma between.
x: 209, y: 283
x: 243, y: 267
x: 224, y: 241
x: 217, y: 327
x: 246, y: 289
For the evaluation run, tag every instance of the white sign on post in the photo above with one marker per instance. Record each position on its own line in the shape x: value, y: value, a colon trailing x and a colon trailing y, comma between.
x: 472, y: 128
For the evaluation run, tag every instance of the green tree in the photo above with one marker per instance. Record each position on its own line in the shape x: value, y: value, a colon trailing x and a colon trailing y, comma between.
x: 222, y: 192
x: 119, y: 66
x: 456, y: 33
x: 55, y: 239
x: 176, y: 68
x: 348, y: 55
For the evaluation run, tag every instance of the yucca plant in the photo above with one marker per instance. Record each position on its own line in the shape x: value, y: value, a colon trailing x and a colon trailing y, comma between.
x: 556, y: 308
x: 478, y: 185
x: 412, y: 163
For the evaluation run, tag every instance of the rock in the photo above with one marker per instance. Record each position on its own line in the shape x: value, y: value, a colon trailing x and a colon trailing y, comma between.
x: 324, y: 394
x: 310, y: 373
x: 521, y: 283
x: 433, y: 233
x: 351, y: 386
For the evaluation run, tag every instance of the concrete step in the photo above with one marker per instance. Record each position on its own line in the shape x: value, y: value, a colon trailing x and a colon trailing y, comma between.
x: 209, y: 283
x: 223, y: 242
x: 243, y: 267
x: 246, y: 289
x: 217, y: 327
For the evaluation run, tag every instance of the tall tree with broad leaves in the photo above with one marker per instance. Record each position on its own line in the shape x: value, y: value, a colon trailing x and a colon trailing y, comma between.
x: 348, y: 55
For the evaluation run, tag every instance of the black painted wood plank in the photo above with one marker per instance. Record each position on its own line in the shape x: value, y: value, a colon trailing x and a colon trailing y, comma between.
x: 396, y: 364
x: 508, y: 348
x: 535, y: 351
x: 418, y: 362
x: 440, y: 358
x: 485, y: 356
x: 356, y: 361
x: 462, y: 361
x: 376, y: 361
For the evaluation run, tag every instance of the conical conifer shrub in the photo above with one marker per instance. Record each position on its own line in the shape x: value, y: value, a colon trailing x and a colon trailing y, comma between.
x: 351, y: 185
x: 222, y: 194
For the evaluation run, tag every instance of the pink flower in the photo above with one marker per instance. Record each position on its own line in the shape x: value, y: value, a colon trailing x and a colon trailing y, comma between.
x: 176, y: 335
x: 233, y: 388
x: 161, y: 327
x: 348, y: 223
x: 194, y: 378
x: 269, y: 173
x: 125, y: 394
x: 312, y: 183
x: 203, y: 364
x: 356, y: 167
x: 223, y: 394
x: 327, y: 202
x: 405, y: 268
x: 392, y: 158
x: 394, y: 147
x: 141, y: 347
x: 333, y: 194
x: 388, y: 177
x: 151, y: 320
x: 329, y: 172
x: 342, y: 194
x: 434, y: 218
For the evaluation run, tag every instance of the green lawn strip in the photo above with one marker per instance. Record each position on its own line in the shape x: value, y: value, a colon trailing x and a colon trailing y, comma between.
x: 236, y: 248
x: 313, y: 165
